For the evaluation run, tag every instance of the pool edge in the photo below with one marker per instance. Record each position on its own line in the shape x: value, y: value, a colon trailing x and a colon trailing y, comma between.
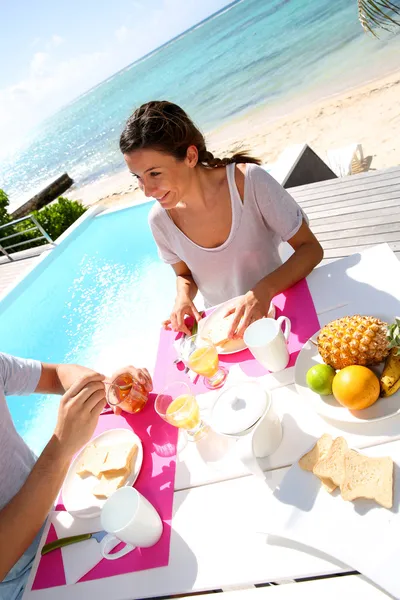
x: 47, y: 254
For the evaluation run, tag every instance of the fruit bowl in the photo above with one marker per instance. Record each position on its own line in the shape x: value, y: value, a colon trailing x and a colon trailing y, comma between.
x: 327, y: 406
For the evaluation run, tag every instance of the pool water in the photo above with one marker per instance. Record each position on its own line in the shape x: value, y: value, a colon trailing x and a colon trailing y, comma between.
x: 97, y: 300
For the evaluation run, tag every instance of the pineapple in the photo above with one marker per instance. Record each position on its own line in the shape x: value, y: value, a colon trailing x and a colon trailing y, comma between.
x: 390, y: 378
x: 355, y: 340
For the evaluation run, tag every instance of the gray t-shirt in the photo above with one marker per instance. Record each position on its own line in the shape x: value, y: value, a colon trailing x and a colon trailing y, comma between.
x: 267, y: 216
x: 18, y: 376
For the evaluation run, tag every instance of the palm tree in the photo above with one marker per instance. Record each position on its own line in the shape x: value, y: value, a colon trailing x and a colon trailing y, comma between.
x: 378, y: 13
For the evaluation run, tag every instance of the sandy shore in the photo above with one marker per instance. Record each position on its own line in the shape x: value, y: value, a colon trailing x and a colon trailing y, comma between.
x: 368, y: 115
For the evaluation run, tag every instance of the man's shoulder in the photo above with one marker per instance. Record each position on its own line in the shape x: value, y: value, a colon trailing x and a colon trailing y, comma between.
x: 19, y: 376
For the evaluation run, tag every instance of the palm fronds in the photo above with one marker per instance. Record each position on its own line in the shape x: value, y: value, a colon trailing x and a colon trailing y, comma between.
x: 378, y: 14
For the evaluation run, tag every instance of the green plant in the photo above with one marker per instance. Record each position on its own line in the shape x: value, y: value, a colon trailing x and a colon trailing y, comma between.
x: 57, y: 217
x: 4, y: 216
x: 54, y: 219
x: 378, y: 14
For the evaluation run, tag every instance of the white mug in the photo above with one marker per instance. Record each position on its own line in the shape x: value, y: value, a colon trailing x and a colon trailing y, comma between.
x: 128, y: 517
x: 267, y: 342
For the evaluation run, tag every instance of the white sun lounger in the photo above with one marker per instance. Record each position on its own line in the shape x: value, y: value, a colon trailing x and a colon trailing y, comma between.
x: 348, y: 160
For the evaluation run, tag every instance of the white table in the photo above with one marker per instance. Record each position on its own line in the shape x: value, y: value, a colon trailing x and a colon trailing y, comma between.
x: 215, y: 540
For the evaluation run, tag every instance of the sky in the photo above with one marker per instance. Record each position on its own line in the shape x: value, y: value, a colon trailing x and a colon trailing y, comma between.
x: 52, y: 51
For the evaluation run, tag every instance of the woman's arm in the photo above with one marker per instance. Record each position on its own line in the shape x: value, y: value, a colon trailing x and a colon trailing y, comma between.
x: 254, y: 305
x: 186, y: 287
x: 308, y: 253
x: 186, y: 290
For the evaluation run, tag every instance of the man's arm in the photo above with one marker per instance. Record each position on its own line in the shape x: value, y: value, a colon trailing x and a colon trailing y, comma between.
x: 57, y: 379
x: 22, y: 518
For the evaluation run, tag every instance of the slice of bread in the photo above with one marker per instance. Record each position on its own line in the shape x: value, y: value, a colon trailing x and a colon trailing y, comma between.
x: 92, y: 460
x: 108, y: 485
x: 368, y: 477
x: 120, y: 458
x: 319, y: 451
x: 219, y: 332
x: 332, y: 466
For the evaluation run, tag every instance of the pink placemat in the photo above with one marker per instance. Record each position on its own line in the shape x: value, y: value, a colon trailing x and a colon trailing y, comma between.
x: 155, y: 482
x: 297, y: 304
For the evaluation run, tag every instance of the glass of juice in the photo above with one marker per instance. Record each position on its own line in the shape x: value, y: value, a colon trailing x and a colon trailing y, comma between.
x: 201, y: 356
x: 127, y: 393
x: 177, y: 405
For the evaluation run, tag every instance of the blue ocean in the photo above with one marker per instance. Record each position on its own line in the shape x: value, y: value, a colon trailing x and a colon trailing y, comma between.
x: 280, y: 53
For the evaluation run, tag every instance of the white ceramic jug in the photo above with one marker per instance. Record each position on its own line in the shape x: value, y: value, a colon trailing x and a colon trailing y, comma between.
x: 244, y: 411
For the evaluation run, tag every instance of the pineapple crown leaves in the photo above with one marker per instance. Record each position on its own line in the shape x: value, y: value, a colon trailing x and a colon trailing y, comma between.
x: 393, y: 335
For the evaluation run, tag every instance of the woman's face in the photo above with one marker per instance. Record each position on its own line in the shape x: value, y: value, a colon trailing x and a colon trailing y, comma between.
x: 162, y: 176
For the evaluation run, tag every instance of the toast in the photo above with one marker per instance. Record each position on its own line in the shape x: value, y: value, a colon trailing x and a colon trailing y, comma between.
x: 92, y: 460
x: 119, y: 458
x: 367, y: 477
x: 318, y: 452
x: 332, y: 466
x: 219, y: 332
x: 108, y: 485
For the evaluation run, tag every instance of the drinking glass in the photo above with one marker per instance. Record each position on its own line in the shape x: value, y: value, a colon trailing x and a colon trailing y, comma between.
x: 127, y: 393
x: 201, y: 355
x: 177, y: 406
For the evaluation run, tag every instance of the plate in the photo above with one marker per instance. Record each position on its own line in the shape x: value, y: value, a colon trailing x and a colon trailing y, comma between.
x: 206, y: 324
x: 77, y: 491
x: 361, y: 534
x: 327, y: 406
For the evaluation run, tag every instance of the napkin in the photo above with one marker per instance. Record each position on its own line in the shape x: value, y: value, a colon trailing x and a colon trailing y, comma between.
x: 80, y: 558
x: 177, y: 344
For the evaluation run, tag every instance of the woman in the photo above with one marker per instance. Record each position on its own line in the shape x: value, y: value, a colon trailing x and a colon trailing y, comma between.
x: 217, y: 222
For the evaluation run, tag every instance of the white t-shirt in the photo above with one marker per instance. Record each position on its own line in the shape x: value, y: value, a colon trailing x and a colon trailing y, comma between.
x: 267, y: 216
x: 18, y: 377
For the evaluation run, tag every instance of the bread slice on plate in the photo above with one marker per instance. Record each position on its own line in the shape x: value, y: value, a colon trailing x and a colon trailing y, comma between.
x: 368, y: 477
x: 108, y: 485
x: 92, y: 460
x: 219, y: 332
x: 120, y: 457
x: 332, y: 466
x: 319, y: 451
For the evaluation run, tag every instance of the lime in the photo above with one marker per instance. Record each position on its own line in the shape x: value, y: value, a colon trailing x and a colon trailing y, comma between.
x: 319, y: 378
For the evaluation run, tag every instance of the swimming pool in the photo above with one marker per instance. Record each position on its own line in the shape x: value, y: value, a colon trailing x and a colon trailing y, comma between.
x: 98, y: 299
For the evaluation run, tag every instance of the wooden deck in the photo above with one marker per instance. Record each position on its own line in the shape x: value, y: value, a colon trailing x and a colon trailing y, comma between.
x: 355, y: 212
x: 12, y: 271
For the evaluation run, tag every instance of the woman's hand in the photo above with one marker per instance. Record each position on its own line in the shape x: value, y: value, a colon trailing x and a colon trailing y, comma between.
x: 252, y: 306
x: 142, y: 376
x: 183, y: 307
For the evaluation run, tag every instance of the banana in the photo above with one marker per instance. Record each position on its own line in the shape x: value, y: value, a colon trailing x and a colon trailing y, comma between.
x: 390, y: 378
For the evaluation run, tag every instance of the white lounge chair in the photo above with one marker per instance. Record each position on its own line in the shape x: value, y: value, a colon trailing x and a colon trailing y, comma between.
x: 348, y: 160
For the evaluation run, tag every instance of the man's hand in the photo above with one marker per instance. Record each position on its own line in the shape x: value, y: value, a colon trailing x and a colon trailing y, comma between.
x: 79, y: 411
x: 142, y: 376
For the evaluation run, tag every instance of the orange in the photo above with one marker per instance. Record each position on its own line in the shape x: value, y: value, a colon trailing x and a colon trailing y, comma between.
x: 356, y: 387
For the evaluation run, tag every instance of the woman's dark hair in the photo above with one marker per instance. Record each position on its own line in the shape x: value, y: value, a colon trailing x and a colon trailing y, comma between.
x: 164, y: 126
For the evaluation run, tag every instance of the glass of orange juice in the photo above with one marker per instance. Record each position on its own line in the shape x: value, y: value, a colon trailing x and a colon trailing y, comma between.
x: 177, y: 405
x: 201, y: 356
